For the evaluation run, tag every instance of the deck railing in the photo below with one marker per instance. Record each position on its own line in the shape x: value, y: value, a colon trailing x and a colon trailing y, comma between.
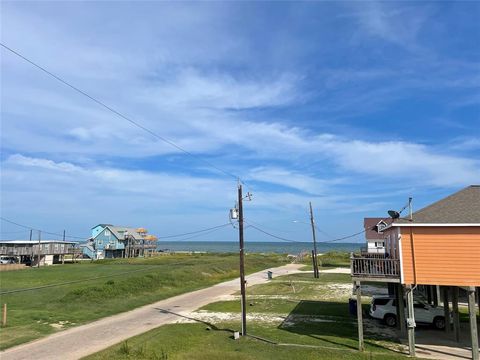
x: 375, y: 267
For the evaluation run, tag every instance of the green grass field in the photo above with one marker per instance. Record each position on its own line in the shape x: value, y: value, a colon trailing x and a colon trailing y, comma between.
x: 112, y: 286
x: 193, y: 341
x: 299, y: 324
x: 331, y: 259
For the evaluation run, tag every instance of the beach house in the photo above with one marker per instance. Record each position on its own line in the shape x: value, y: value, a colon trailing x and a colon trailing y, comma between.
x: 110, y: 241
x: 374, y: 234
x: 436, y: 249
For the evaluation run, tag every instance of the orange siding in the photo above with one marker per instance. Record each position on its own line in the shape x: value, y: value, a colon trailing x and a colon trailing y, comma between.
x: 443, y: 255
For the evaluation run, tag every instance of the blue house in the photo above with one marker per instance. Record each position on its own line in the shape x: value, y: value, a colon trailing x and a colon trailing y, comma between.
x: 109, y: 241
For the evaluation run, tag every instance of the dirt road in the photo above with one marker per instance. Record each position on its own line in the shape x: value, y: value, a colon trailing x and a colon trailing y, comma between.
x: 87, y: 339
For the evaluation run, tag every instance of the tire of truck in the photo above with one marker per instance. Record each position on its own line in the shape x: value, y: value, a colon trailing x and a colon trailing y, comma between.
x: 390, y: 320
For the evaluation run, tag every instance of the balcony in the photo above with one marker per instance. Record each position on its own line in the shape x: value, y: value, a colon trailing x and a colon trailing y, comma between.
x: 373, y: 267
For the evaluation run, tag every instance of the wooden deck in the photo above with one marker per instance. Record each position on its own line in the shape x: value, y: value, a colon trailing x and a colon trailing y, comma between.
x: 375, y: 268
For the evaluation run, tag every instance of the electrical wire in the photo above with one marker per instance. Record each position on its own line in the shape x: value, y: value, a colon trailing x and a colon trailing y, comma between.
x: 203, y: 233
x: 83, y: 238
x: 318, y: 242
x: 194, y: 232
x: 272, y: 235
x: 89, y: 279
x: 43, y: 231
x: 118, y: 113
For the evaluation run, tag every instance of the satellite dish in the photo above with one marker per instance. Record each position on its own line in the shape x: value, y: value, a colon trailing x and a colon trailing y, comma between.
x: 394, y: 214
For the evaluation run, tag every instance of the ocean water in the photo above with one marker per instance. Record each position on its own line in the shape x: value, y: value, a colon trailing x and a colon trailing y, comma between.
x: 255, y: 247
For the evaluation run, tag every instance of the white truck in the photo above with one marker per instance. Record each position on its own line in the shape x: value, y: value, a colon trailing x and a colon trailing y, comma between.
x: 384, y: 308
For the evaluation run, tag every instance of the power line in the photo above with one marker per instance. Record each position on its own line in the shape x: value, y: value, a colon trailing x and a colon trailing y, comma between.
x: 214, y: 228
x: 198, y: 233
x: 89, y: 279
x: 43, y: 231
x: 274, y: 236
x: 116, y: 112
x: 290, y: 240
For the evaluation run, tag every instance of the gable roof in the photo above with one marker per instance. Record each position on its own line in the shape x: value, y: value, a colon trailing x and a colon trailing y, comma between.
x: 119, y: 232
x: 102, y: 225
x: 370, y: 226
x: 462, y: 207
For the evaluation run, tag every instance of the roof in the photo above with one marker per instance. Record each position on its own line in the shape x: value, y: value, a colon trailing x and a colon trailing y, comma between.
x: 33, y: 242
x: 370, y: 226
x: 462, y: 207
x: 102, y: 225
x: 119, y: 232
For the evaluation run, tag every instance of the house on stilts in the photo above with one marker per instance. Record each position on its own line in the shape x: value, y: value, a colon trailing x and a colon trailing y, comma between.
x: 435, y: 249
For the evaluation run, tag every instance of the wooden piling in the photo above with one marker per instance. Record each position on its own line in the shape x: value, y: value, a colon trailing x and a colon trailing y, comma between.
x: 456, y: 315
x: 401, y: 309
x: 446, y: 309
x: 358, y: 292
x: 4, y: 315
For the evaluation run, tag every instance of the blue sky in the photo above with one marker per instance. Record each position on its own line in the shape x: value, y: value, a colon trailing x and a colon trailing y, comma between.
x: 354, y: 106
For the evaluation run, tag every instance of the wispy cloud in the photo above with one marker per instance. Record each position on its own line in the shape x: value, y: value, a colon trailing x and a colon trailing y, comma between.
x: 259, y: 99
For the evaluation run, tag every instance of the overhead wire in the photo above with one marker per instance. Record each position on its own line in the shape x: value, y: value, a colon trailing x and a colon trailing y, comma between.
x: 43, y: 231
x: 318, y: 242
x: 214, y: 228
x: 118, y: 113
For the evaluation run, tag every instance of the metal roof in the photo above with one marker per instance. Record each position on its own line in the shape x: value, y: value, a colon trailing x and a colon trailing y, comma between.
x: 462, y: 207
x: 119, y: 232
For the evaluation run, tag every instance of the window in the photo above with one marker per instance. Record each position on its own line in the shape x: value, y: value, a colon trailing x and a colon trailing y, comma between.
x: 100, y: 242
x: 381, y: 301
x: 379, y: 244
x: 107, y: 232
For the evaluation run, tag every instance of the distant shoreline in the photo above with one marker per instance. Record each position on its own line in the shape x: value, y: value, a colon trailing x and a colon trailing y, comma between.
x: 252, y: 247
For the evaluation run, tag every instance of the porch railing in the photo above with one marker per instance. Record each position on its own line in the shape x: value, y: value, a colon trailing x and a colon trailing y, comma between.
x: 375, y: 267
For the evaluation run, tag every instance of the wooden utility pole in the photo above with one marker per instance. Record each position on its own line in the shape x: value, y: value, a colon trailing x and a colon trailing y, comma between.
x: 31, y: 234
x: 473, y: 322
x: 315, y: 261
x: 410, y: 321
x: 39, y: 247
x: 242, y: 261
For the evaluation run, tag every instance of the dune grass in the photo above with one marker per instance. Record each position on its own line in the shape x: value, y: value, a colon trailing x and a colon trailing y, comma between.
x: 111, y: 286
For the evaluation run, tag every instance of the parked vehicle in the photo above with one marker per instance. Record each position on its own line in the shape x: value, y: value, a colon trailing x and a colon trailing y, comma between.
x: 7, y: 260
x: 384, y: 308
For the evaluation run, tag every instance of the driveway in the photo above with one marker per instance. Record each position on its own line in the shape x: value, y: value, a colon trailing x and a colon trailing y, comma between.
x: 87, y: 339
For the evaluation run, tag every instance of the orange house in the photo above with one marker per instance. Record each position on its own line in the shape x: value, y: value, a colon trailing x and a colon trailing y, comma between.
x: 437, y: 247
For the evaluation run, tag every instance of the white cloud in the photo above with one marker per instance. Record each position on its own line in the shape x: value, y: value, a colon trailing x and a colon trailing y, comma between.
x: 192, y: 89
x: 288, y: 178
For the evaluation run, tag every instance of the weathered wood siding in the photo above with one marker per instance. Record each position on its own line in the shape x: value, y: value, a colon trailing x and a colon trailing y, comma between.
x: 443, y: 255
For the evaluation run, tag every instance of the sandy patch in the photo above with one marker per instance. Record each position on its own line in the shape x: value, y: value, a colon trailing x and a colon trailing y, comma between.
x: 61, y: 324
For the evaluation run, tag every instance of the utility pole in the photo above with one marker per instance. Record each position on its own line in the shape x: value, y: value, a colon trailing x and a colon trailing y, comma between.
x: 31, y: 234
x: 315, y: 261
x: 64, y: 235
x: 242, y: 261
x: 39, y: 247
